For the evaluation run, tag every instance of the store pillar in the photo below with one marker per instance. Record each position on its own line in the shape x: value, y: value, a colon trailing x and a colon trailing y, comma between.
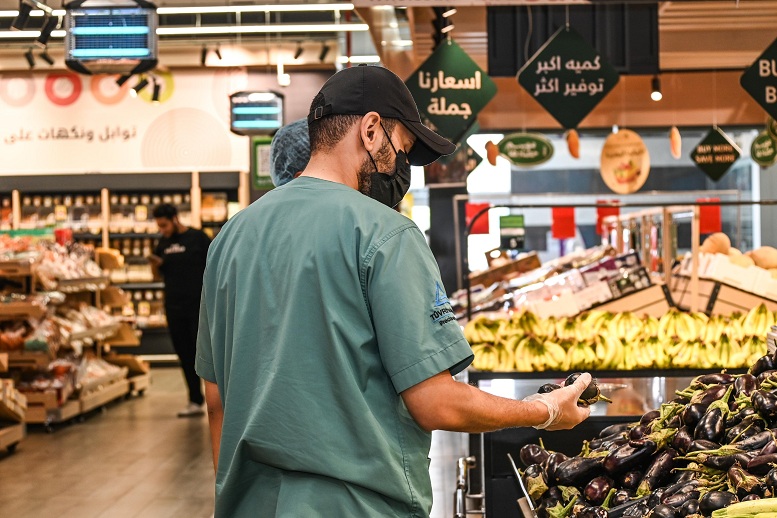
x: 442, y: 230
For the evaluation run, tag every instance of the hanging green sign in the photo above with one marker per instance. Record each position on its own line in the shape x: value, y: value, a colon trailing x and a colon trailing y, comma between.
x: 764, y: 150
x: 512, y: 232
x: 771, y: 128
x: 526, y: 149
x: 715, y: 154
x: 450, y: 89
x: 260, y: 163
x: 760, y: 80
x: 568, y: 77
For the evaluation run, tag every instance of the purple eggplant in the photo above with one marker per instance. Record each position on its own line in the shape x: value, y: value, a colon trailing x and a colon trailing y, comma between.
x: 715, y: 500
x: 533, y: 454
x: 745, y: 385
x: 766, y: 375
x: 711, y: 427
x: 650, y: 417
x: 655, y: 497
x: 693, y: 414
x: 548, y: 387
x: 640, y: 510
x: 706, y: 397
x: 743, y: 482
x: 719, y: 378
x: 744, y: 458
x: 765, y: 403
x: 770, y: 481
x: 761, y: 465
x: 682, y: 440
x: 597, y: 490
x: 743, y: 430
x: 578, y: 469
x: 755, y: 442
x: 592, y: 512
x: 663, y: 511
x: 638, y: 432
x: 677, y: 500
x: 688, y: 508
x: 659, y: 469
x: 771, y: 447
x: 621, y: 497
x: 719, y: 462
x: 605, y: 442
x: 536, y: 484
x: 675, y: 422
x: 631, y: 479
x: 763, y: 364
x: 552, y: 463
x: 614, y: 429
x: 628, y: 457
x: 703, y: 445
x: 750, y: 498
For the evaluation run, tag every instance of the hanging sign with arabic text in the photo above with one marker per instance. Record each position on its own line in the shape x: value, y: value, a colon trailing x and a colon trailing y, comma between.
x: 715, y: 154
x: 526, y: 149
x: 450, y: 89
x: 568, y: 77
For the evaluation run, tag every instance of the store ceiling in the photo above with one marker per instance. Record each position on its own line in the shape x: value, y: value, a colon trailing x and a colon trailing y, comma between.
x: 694, y: 35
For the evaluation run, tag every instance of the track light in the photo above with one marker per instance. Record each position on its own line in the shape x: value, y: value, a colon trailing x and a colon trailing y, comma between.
x: 447, y: 29
x: 203, y: 55
x: 449, y: 12
x: 20, y: 21
x: 45, y: 33
x: 30, y: 58
x: 324, y: 52
x: 655, y: 89
x: 218, y: 51
x: 298, y: 52
x: 157, y: 91
x: 121, y: 80
x: 138, y: 87
x: 45, y: 57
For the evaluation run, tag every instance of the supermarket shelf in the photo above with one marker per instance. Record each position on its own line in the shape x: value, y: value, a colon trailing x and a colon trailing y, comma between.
x: 475, y: 376
x: 18, y: 268
x: 12, y: 435
x: 14, y: 310
x: 83, y: 284
x: 133, y: 235
x: 29, y: 360
x: 95, y: 333
x: 87, y: 236
x: 140, y: 285
x: 106, y: 394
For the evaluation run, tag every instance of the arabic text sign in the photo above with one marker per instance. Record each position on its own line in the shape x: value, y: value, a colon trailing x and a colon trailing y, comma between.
x: 715, y: 154
x: 760, y: 80
x: 526, y: 149
x: 567, y: 77
x: 450, y: 90
x: 764, y: 150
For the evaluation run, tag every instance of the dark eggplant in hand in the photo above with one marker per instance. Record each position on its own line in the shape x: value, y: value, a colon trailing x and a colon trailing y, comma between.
x: 745, y: 385
x: 763, y: 364
x: 578, y: 469
x: 682, y: 440
x: 765, y: 403
x: 614, y: 429
x: 591, y: 394
x: 552, y: 463
x: 592, y: 512
x: 663, y: 511
x: 548, y: 387
x: 762, y: 464
x: 533, y: 454
x: 597, y: 490
x: 631, y: 480
x: 659, y: 469
x: 621, y: 497
x: 692, y: 414
x: 715, y: 500
x: 628, y: 457
x: 688, y: 508
x: 677, y: 500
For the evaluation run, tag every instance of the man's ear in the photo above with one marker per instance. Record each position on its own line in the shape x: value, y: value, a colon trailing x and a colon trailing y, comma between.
x: 370, y: 131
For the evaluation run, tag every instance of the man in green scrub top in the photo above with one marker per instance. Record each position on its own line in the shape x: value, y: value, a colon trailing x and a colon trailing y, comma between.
x: 326, y: 340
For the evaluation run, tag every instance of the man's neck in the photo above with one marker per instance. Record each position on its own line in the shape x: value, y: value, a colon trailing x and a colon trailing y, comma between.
x: 334, y: 167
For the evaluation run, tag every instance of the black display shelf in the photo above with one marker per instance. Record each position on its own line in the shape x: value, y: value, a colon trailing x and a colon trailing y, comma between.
x: 140, y: 285
x: 475, y: 376
x: 213, y: 224
x: 83, y: 236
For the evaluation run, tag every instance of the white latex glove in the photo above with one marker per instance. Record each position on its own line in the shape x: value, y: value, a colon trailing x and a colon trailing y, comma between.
x: 563, y: 411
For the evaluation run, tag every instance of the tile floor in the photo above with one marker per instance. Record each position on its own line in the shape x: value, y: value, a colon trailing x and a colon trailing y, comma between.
x: 136, y: 459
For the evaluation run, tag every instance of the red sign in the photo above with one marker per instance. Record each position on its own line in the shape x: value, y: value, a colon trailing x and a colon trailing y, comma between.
x: 709, y: 217
x: 603, y: 212
x: 481, y: 225
x: 563, y: 222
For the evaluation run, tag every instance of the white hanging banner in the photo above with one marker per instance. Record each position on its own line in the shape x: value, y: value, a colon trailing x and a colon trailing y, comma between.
x: 64, y: 123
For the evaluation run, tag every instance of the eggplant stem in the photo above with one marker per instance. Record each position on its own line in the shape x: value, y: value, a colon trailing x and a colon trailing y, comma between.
x: 742, y: 433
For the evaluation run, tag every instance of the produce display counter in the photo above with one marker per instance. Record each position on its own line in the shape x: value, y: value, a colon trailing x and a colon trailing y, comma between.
x: 11, y: 436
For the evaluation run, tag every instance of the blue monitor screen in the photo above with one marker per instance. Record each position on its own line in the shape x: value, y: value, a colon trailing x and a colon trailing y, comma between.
x: 102, y: 33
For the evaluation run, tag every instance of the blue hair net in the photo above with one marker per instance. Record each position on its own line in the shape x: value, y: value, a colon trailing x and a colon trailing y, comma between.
x: 289, y: 152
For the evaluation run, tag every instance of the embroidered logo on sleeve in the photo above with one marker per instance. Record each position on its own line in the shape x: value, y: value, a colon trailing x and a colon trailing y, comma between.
x: 442, y: 313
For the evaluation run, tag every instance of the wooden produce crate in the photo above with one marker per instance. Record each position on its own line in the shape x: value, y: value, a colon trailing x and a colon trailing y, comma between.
x: 44, y: 408
x: 526, y: 263
x: 3, y: 362
x: 29, y: 360
x: 12, y: 435
x: 18, y: 267
x: 727, y: 300
x: 649, y: 301
x: 16, y: 310
x: 133, y: 364
x: 680, y: 290
x: 107, y: 393
x: 139, y: 382
x: 125, y: 336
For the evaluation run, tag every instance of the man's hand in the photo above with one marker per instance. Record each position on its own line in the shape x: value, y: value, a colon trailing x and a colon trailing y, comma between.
x: 562, y: 405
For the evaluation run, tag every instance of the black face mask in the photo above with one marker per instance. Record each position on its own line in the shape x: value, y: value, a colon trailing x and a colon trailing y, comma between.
x: 390, y: 187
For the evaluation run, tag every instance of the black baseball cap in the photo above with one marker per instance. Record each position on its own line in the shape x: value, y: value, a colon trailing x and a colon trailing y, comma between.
x: 363, y: 89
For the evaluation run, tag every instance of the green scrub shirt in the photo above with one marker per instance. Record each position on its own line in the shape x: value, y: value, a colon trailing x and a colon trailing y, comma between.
x: 320, y: 306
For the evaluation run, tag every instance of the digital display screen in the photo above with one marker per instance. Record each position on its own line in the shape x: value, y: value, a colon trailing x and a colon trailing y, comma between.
x: 256, y: 113
x: 111, y: 33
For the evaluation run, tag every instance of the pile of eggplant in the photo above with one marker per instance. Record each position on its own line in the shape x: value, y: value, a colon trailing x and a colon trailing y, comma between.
x: 713, y: 445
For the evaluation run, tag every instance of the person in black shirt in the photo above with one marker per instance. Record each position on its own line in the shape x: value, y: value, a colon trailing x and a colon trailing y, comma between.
x: 180, y: 259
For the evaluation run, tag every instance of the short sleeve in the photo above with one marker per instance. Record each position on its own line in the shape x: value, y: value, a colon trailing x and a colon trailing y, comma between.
x: 203, y: 364
x: 417, y: 332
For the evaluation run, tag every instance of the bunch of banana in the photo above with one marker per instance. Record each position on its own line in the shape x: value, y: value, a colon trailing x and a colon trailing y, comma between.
x: 481, y: 330
x: 610, y: 352
x: 729, y: 354
x: 568, y: 329
x: 580, y: 356
x: 753, y: 347
x: 486, y: 357
x: 758, y: 321
x: 528, y: 323
x: 534, y: 354
x: 625, y: 326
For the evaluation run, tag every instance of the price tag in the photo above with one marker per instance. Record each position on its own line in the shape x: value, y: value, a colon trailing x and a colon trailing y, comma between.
x: 60, y: 213
x: 512, y: 232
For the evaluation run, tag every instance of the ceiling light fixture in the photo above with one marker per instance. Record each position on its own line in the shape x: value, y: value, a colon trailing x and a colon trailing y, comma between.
x: 22, y: 15
x: 157, y: 91
x: 324, y: 52
x: 273, y: 8
x: 261, y: 29
x: 138, y: 87
x: 217, y: 51
x: 203, y: 55
x: 447, y: 29
x: 449, y: 12
x: 30, y: 58
x: 655, y: 89
x: 298, y: 52
x: 121, y: 80
x: 47, y: 58
x: 45, y: 33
